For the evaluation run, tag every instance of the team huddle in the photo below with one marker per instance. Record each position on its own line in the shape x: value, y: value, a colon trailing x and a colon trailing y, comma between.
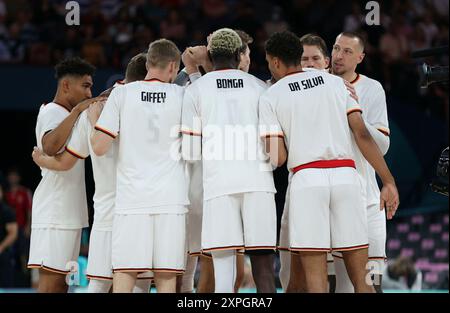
x: 183, y: 167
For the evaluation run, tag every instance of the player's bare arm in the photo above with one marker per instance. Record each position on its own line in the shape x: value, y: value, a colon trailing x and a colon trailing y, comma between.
x: 94, y: 111
x: 276, y: 150
x: 389, y: 198
x: 54, y: 140
x: 382, y: 140
x: 60, y: 162
x: 101, y: 142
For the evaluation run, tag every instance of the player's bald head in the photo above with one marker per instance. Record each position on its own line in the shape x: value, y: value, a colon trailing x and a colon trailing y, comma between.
x: 355, y: 38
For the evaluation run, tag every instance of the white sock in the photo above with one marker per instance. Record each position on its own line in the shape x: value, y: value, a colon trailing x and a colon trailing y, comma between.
x: 285, y: 268
x: 343, y: 282
x: 99, y: 286
x: 224, y: 270
x: 187, y: 282
x: 142, y: 286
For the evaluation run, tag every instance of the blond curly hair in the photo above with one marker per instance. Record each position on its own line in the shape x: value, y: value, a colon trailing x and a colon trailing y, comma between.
x: 224, y: 40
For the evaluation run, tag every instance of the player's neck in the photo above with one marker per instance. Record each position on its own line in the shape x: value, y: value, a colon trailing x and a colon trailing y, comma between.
x: 349, y: 76
x: 157, y: 74
x: 61, y: 100
x: 218, y: 66
x: 293, y: 69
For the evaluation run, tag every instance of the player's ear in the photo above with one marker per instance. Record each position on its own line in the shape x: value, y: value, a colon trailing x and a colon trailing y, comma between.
x: 361, y: 57
x: 327, y: 62
x: 65, y: 85
x: 276, y: 62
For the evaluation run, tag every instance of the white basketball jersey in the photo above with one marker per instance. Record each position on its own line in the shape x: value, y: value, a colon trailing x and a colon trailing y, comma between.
x: 372, y: 99
x: 309, y: 109
x: 150, y: 172
x: 60, y: 198
x: 103, y: 168
x: 222, y: 108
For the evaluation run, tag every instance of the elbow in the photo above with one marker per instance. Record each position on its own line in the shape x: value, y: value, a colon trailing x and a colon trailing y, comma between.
x: 99, y: 150
x: 97, y: 147
x: 281, y: 161
x: 50, y: 149
x: 362, y: 134
x: 66, y: 166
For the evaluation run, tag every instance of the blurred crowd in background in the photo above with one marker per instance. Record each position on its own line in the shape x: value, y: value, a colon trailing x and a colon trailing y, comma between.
x: 112, y: 31
x: 35, y: 33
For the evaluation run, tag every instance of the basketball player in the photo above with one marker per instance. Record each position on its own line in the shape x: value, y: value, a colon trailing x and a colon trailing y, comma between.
x: 195, y: 58
x: 310, y: 112
x: 59, y: 210
x: 347, y: 54
x: 99, y: 270
x: 314, y: 55
x: 149, y: 221
x: 239, y: 207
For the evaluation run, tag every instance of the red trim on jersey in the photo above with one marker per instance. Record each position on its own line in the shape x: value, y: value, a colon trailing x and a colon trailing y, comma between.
x: 120, y: 82
x: 62, y: 106
x: 325, y: 164
x: 224, y: 69
x: 273, y: 135
x: 354, y: 110
x: 105, y: 131
x: 384, y: 132
x: 261, y: 248
x: 153, y: 80
x: 356, y: 79
x: 50, y: 269
x: 310, y: 249
x: 293, y: 73
x: 98, y: 277
x: 351, y: 248
x: 74, y: 153
x: 223, y: 248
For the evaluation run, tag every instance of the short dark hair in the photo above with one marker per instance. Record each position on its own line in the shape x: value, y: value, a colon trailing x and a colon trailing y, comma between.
x: 316, y: 41
x: 245, y: 38
x: 286, y: 46
x: 355, y: 36
x: 74, y: 67
x: 136, y: 69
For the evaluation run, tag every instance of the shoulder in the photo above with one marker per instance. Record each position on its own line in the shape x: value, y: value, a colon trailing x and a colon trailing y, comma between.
x: 371, y: 83
x: 255, y: 80
x: 178, y: 89
x: 53, y: 110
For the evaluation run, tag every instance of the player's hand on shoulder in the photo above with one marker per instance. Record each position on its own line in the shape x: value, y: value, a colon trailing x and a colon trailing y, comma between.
x: 95, y: 110
x: 352, y: 90
x: 37, y: 155
x: 389, y: 199
x: 80, y: 107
